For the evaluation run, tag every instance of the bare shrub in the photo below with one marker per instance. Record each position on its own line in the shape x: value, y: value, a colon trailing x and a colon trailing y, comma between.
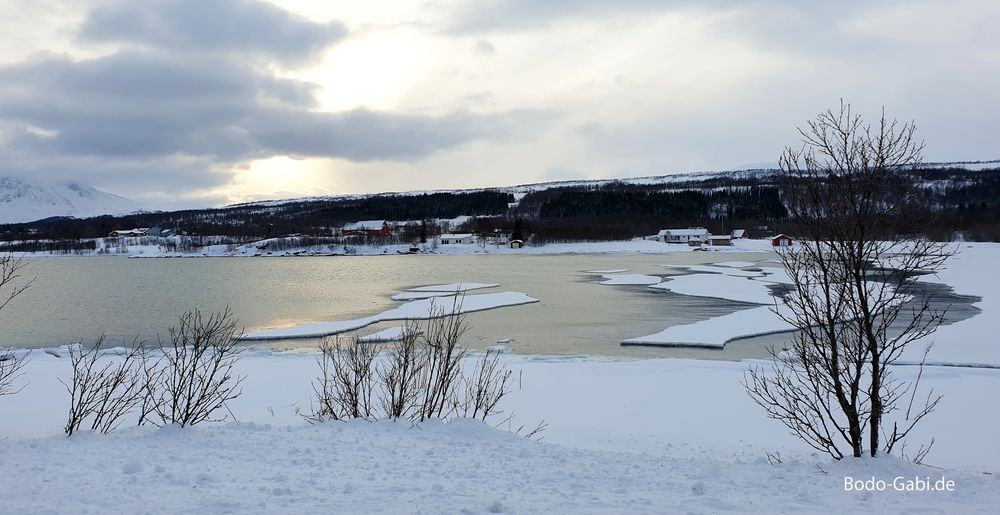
x: 11, y: 362
x: 102, y: 395
x: 488, y: 385
x: 443, y: 361
x: 194, y: 379
x: 401, y: 375
x: 345, y: 388
x: 418, y: 378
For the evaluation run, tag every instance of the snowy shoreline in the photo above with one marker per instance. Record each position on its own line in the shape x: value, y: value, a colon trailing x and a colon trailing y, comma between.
x: 634, y: 246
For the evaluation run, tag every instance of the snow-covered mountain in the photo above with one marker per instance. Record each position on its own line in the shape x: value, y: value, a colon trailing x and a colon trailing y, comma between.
x: 26, y: 200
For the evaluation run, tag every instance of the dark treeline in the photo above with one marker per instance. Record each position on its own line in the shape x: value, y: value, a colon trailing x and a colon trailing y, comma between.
x: 953, y: 203
x: 307, y: 217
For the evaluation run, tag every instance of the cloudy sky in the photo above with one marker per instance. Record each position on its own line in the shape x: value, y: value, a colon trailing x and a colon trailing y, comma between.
x: 181, y: 103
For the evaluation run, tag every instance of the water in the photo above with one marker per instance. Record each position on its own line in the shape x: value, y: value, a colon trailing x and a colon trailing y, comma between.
x: 75, y: 299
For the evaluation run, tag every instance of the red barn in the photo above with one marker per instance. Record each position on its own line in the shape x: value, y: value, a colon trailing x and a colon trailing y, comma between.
x: 781, y: 240
x: 368, y: 228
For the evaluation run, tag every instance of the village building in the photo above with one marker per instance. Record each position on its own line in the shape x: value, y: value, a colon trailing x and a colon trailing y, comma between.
x: 516, y: 244
x: 781, y: 240
x: 367, y: 228
x: 739, y: 234
x: 129, y: 233
x: 457, y: 239
x: 720, y: 240
x: 682, y: 235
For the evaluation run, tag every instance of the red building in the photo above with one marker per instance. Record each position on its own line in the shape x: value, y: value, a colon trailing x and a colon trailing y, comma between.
x: 367, y: 228
x: 781, y: 240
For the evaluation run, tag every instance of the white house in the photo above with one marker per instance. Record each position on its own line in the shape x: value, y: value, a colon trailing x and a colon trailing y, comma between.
x: 682, y: 235
x: 457, y: 239
x: 142, y: 231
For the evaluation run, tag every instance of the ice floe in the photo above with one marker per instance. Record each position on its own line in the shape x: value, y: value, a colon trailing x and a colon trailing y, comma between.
x: 413, y: 310
x: 392, y: 334
x: 740, y: 289
x: 622, y: 279
x: 454, y: 287
x: 716, y: 332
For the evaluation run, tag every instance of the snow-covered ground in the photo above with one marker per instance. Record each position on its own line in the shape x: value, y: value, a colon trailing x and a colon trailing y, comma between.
x: 646, y: 436
x: 651, y: 436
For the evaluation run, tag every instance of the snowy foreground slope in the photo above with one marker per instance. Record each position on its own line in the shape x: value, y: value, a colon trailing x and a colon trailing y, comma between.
x: 651, y: 436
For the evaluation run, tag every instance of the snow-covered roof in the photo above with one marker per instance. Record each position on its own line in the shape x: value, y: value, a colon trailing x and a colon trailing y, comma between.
x: 455, y: 236
x: 739, y: 233
x: 719, y: 237
x: 366, y: 225
x: 683, y: 232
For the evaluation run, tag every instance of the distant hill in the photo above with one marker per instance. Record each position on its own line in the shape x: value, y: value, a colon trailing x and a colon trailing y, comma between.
x: 26, y: 200
x: 959, y: 200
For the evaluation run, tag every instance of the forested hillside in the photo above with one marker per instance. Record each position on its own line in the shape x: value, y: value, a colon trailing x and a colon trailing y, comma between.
x: 954, y: 202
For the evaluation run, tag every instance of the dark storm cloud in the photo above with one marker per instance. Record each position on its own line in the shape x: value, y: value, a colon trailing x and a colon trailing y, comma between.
x: 198, y: 26
x: 150, y: 105
x: 363, y: 135
x: 191, y: 90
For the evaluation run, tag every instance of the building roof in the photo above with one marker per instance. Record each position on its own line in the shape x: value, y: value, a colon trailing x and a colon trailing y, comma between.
x: 366, y: 225
x: 719, y: 237
x: 683, y: 232
x: 456, y: 236
x: 739, y: 233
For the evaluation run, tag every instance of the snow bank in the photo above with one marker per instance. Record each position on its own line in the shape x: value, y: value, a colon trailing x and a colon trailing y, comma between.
x: 645, y: 436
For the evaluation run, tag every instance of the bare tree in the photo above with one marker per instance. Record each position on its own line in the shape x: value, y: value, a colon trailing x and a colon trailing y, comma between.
x: 197, y: 378
x: 11, y: 362
x: 854, y: 298
x: 102, y: 395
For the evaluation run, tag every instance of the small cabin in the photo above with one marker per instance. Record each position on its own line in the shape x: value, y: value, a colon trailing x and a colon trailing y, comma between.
x: 781, y: 240
x: 516, y: 244
x: 720, y: 240
x: 739, y: 234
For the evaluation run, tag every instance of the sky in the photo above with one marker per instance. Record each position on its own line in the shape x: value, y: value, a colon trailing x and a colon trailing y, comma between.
x: 196, y: 103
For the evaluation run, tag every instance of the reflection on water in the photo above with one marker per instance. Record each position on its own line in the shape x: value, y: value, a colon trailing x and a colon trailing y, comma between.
x: 80, y: 298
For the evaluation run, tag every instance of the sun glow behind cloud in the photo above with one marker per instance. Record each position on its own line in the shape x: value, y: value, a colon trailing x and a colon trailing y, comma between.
x: 427, y: 95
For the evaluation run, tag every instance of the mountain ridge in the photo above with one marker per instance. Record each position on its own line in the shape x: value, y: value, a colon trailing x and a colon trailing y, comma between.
x: 28, y: 200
